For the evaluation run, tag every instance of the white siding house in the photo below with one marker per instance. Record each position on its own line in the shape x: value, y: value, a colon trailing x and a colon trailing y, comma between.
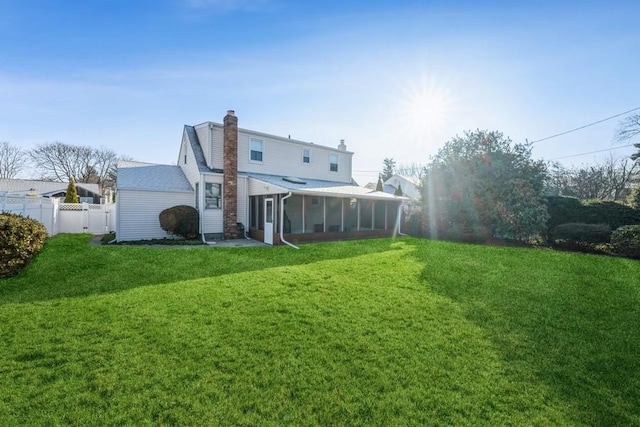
x: 410, y: 186
x: 245, y: 182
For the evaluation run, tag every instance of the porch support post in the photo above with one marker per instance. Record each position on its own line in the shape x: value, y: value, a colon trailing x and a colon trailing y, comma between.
x: 303, y: 215
x: 358, y: 204
x: 386, y: 207
x: 324, y: 214
x: 373, y: 214
x: 342, y: 214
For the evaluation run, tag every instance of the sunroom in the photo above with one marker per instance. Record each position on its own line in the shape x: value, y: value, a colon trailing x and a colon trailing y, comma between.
x: 295, y: 210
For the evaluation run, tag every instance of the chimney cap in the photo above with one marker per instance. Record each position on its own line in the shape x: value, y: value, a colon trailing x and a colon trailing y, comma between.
x: 231, y: 112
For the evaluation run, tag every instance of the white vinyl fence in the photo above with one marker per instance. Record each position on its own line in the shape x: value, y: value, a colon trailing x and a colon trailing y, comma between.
x: 62, y: 217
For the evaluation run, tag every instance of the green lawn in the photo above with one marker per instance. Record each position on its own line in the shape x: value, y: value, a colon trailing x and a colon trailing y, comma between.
x: 374, y: 332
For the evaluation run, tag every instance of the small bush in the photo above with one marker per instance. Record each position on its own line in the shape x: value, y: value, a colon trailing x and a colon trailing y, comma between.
x: 181, y: 220
x: 580, y: 232
x: 626, y: 241
x: 20, y: 240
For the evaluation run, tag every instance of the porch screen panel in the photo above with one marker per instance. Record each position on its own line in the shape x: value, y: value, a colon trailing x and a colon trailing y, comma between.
x: 334, y: 214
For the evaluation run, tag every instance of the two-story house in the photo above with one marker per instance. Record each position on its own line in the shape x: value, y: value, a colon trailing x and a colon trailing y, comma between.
x: 251, y: 184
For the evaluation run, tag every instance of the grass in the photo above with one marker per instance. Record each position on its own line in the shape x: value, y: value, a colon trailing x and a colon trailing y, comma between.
x: 375, y: 332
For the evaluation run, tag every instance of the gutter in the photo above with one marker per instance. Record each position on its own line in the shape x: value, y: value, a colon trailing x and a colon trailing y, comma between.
x: 282, y: 221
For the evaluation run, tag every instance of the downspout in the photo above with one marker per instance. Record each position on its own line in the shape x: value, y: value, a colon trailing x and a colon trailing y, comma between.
x: 400, y: 233
x: 247, y: 207
x: 282, y: 199
x: 200, y: 208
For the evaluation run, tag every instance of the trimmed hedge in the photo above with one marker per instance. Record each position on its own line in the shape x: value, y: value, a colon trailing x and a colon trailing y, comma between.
x: 21, y: 239
x: 580, y: 232
x: 181, y: 220
x: 613, y: 213
x: 626, y: 241
x: 563, y: 210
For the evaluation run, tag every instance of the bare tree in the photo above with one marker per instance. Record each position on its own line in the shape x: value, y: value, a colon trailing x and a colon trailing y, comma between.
x: 58, y: 161
x: 12, y: 160
x: 607, y: 181
x: 629, y: 129
x: 414, y: 170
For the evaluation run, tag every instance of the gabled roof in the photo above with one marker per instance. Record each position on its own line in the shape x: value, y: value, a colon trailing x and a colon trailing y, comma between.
x: 194, y: 141
x: 25, y: 186
x: 410, y: 179
x: 151, y: 177
x: 320, y: 187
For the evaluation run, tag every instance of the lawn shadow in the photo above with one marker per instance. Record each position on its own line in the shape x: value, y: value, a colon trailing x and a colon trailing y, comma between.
x: 69, y: 267
x: 568, y: 320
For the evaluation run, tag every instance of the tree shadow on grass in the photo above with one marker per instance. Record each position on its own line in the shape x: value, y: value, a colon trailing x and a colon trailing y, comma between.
x: 571, y: 321
x: 68, y: 267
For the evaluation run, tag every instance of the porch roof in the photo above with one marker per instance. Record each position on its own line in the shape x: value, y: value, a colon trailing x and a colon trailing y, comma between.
x: 319, y: 187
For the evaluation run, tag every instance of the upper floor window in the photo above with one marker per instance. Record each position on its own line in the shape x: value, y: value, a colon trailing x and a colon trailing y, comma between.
x: 257, y: 148
x: 333, y: 162
x: 306, y: 155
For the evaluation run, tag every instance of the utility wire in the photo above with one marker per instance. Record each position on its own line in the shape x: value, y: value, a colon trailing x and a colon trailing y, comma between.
x: 585, y: 126
x: 591, y: 152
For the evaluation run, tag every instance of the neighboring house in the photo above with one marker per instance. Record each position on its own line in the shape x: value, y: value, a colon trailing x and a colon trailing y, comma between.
x: 244, y: 182
x: 409, y: 185
x: 89, y: 193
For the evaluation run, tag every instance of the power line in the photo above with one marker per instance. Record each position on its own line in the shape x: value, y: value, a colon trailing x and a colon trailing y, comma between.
x: 591, y: 152
x: 585, y: 126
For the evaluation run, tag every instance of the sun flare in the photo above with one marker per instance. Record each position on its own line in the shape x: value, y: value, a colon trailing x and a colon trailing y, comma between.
x: 427, y: 108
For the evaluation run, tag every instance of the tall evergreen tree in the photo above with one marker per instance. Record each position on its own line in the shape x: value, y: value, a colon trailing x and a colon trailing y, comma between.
x: 379, y: 184
x: 388, y: 169
x: 72, y: 193
x: 398, y: 191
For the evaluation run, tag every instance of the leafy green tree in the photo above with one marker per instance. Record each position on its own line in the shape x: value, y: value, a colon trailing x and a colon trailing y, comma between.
x: 72, y: 193
x: 482, y: 185
x: 388, y: 168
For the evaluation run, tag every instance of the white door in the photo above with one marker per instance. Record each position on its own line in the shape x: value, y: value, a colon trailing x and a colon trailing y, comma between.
x: 268, y: 221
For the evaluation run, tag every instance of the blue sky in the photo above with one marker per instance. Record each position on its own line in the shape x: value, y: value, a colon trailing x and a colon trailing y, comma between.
x: 394, y: 79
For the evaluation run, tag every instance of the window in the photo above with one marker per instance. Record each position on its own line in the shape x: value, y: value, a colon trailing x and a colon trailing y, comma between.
x: 256, y: 150
x: 197, y: 196
x: 333, y: 162
x: 306, y: 155
x: 212, y: 195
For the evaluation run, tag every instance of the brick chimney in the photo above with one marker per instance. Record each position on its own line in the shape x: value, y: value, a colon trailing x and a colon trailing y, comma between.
x: 230, y: 167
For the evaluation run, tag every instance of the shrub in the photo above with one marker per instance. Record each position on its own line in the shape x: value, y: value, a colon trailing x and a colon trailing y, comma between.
x: 20, y: 240
x: 626, y: 241
x: 564, y: 210
x: 181, y: 220
x: 613, y: 213
x: 634, y: 198
x: 580, y: 232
